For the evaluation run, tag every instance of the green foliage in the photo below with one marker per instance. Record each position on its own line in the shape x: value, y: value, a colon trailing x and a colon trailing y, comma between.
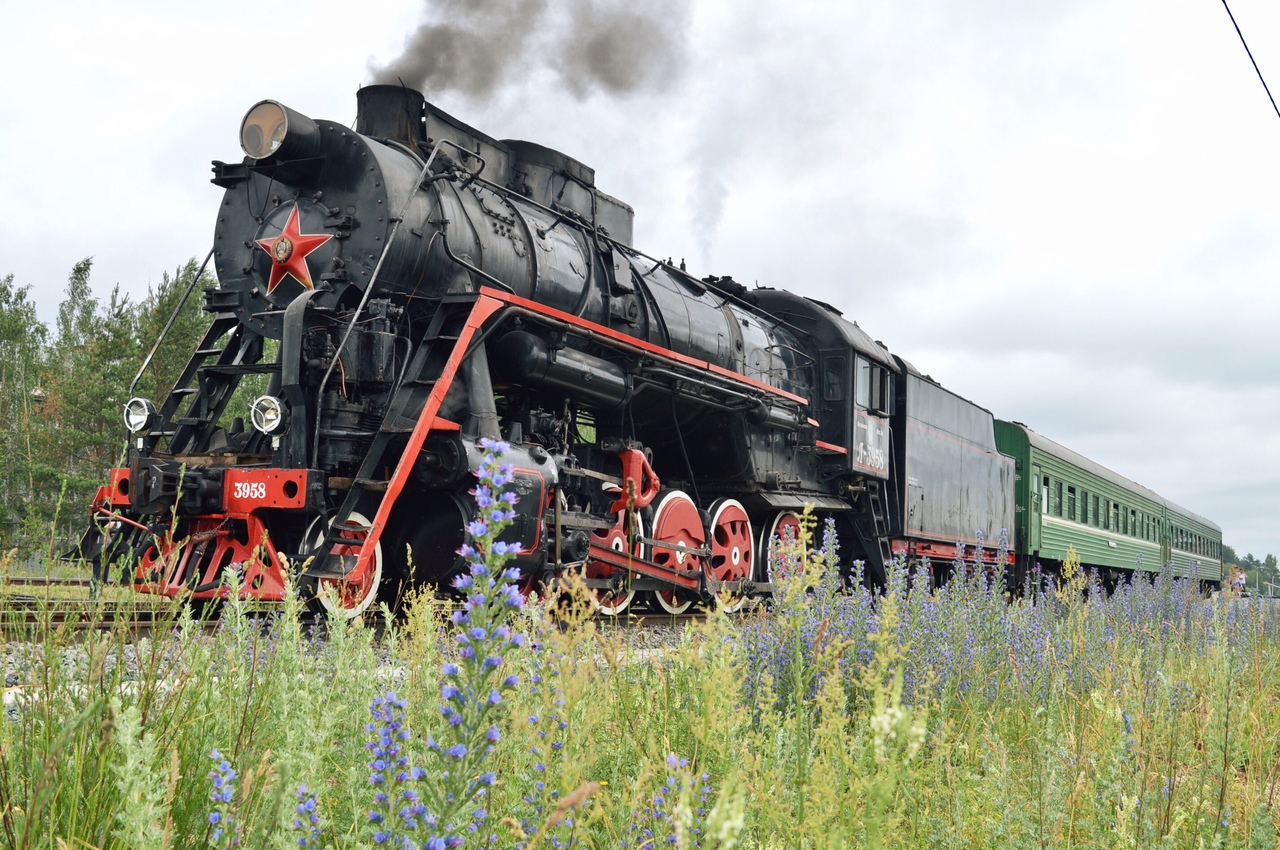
x: 188, y: 328
x: 92, y: 361
x: 1154, y: 722
x: 22, y: 346
x: 61, y: 394
x: 1229, y: 555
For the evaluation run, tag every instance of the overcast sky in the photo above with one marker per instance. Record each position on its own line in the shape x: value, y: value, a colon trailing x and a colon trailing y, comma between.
x: 1064, y: 211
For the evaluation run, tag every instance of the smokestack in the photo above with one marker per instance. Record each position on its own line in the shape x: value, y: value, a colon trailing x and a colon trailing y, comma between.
x: 390, y: 112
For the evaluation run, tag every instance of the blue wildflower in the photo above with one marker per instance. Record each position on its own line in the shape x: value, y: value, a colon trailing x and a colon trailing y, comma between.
x: 222, y: 777
x: 307, y: 820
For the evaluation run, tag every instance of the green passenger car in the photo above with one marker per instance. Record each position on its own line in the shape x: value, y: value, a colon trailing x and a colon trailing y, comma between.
x: 1115, y: 525
x: 1193, y: 545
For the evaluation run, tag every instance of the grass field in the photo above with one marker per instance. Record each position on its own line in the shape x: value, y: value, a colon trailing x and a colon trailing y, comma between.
x: 948, y: 718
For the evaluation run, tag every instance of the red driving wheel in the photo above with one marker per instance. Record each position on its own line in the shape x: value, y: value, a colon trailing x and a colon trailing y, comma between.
x: 775, y: 540
x: 676, y: 521
x: 732, y: 548
x: 608, y: 601
x: 353, y: 598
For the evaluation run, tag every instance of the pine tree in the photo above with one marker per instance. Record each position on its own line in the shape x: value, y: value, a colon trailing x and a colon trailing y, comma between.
x: 188, y: 328
x: 22, y: 341
x: 92, y: 361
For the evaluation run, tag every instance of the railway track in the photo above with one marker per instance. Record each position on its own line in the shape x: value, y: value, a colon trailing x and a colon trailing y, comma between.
x: 28, y: 613
x: 30, y: 620
x: 32, y: 614
x: 47, y: 581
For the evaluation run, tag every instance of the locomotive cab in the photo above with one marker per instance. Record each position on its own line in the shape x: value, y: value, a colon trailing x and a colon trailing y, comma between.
x: 857, y: 383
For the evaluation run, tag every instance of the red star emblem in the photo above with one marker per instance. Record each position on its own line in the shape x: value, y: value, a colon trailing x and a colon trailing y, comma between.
x: 289, y: 251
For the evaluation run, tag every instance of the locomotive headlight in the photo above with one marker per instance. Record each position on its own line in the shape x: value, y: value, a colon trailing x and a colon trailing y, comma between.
x: 271, y: 130
x: 262, y: 131
x: 140, y: 415
x: 269, y: 415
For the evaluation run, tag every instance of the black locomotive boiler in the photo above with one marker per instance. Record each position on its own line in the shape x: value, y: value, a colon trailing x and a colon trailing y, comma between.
x: 401, y: 290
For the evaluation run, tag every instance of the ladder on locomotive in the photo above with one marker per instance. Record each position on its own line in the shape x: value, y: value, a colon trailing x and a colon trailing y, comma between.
x: 403, y: 413
x: 208, y: 380
x: 873, y: 527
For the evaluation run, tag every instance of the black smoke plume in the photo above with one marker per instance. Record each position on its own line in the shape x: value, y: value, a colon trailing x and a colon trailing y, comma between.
x: 478, y: 46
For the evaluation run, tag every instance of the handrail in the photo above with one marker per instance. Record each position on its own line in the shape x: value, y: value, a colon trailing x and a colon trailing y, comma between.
x: 377, y: 269
x: 168, y: 325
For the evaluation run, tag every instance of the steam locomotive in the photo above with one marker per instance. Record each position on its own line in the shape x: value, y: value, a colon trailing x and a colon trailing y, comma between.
x: 399, y: 291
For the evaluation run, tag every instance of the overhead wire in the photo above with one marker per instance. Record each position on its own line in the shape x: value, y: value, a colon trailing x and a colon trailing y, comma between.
x: 1251, y: 59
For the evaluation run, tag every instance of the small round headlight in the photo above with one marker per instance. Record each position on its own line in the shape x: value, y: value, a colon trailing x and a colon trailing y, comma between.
x: 268, y: 415
x: 140, y: 415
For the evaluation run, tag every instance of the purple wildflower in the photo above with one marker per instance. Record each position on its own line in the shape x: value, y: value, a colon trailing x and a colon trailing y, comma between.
x: 307, y: 820
x: 221, y: 817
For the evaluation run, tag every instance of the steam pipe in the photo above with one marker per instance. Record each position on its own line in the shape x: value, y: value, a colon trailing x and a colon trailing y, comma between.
x: 444, y: 240
x: 582, y: 333
x: 525, y: 358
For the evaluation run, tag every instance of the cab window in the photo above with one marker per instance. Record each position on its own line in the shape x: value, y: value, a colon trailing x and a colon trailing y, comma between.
x: 881, y: 402
x: 862, y: 384
x: 833, y: 378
